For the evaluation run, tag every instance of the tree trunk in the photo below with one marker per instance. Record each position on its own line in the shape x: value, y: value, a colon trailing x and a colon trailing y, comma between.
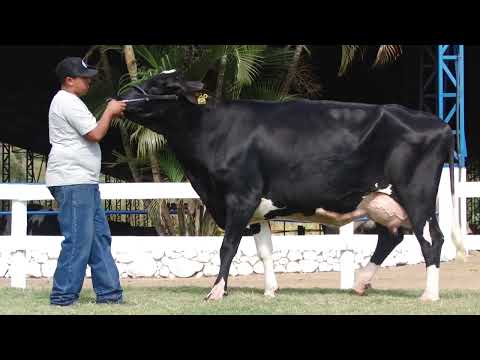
x: 181, y: 218
x: 221, y: 76
x: 131, y: 61
x: 129, y: 58
x: 156, y: 173
x: 129, y: 153
x: 291, y: 70
x: 167, y: 219
x: 190, y: 223
x: 198, y: 217
x: 164, y: 211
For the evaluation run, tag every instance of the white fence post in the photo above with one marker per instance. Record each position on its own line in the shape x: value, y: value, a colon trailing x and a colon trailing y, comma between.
x: 347, y: 258
x: 463, y: 203
x: 18, y: 269
x: 445, y: 213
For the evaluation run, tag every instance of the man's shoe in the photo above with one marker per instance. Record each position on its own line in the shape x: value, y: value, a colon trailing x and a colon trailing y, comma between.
x: 111, y: 302
x: 65, y: 305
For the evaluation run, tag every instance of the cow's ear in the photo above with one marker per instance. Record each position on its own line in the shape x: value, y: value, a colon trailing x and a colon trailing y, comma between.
x: 197, y: 98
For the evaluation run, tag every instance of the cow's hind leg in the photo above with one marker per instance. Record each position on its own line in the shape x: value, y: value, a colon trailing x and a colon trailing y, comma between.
x: 386, y: 243
x: 416, y: 181
x: 420, y: 208
x: 263, y: 241
x: 432, y: 253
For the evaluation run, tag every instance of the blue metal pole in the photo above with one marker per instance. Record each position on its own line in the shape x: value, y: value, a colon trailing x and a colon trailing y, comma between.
x: 440, y: 81
x: 461, y: 109
x: 456, y: 79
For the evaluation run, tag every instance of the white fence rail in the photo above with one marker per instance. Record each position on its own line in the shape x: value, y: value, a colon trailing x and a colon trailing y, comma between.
x: 346, y: 242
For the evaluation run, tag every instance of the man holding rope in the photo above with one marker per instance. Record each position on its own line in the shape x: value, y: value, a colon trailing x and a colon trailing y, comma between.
x: 72, y: 176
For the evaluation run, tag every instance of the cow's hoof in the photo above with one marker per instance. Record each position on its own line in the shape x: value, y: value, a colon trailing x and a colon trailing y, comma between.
x: 361, y: 289
x: 217, y: 292
x: 271, y: 292
x: 427, y: 297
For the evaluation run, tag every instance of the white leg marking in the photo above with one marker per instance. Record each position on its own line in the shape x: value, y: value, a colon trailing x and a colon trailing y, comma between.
x: 263, y: 241
x: 217, y: 291
x: 426, y: 233
x: 364, y: 278
x: 431, y: 292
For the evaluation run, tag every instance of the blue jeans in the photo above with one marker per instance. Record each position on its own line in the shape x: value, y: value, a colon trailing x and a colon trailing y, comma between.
x: 88, y: 240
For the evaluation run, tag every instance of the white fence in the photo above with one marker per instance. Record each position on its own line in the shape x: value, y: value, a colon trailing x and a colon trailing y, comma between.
x: 349, y: 250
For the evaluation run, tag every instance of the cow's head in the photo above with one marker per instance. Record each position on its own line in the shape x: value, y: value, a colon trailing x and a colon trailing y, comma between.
x: 166, y: 83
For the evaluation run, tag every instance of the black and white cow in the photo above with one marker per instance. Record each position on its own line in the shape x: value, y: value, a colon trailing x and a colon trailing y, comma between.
x: 249, y: 159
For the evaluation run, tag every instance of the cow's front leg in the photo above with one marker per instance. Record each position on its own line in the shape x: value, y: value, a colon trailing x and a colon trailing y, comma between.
x: 263, y: 241
x: 238, y: 213
x: 218, y: 290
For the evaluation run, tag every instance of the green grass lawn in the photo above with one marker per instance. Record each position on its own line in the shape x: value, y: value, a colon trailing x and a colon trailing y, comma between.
x: 244, y: 301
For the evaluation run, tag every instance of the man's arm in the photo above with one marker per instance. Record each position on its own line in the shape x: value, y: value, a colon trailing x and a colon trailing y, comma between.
x: 114, y: 109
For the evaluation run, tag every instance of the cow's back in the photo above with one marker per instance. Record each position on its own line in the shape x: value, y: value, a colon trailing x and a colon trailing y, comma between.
x: 299, y: 147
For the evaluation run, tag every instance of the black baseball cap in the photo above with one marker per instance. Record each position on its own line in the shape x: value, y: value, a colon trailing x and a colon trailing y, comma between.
x: 74, y: 67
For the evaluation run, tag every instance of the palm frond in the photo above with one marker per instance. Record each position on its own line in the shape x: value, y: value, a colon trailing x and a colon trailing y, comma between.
x: 209, y: 57
x: 348, y: 54
x: 125, y: 124
x: 305, y: 81
x: 277, y: 59
x: 154, y: 211
x: 170, y: 166
x: 244, y: 63
x: 121, y: 159
x: 248, y: 60
x: 160, y: 58
x: 148, y: 141
x: 387, y: 54
x: 148, y: 55
x: 269, y: 90
x: 307, y: 50
x: 100, y: 48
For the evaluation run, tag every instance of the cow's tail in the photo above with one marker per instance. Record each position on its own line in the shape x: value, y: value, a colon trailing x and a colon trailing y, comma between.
x: 457, y: 237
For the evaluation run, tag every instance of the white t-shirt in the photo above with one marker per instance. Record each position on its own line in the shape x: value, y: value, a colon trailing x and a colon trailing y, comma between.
x: 73, y: 159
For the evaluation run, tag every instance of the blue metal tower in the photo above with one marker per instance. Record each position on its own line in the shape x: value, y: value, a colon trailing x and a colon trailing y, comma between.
x: 450, y: 60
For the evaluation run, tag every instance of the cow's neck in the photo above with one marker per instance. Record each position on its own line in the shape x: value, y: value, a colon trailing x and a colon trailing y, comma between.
x: 183, y: 133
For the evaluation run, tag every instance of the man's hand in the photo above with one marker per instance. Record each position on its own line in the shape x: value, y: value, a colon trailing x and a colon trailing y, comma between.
x: 116, y: 108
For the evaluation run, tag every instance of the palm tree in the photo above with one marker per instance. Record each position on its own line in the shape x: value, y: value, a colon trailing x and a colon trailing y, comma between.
x: 385, y: 54
x: 291, y: 70
x: 238, y: 68
x: 285, y: 74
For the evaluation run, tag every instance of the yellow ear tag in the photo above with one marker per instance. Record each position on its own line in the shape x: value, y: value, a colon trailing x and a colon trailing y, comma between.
x: 202, y: 99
